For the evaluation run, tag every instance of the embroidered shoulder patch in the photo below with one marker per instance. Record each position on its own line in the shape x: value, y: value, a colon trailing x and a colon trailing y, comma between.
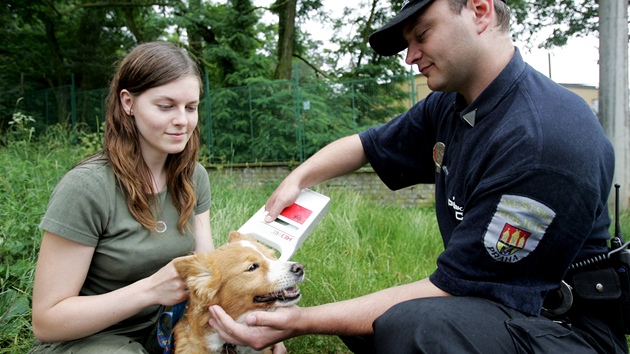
x: 516, y: 228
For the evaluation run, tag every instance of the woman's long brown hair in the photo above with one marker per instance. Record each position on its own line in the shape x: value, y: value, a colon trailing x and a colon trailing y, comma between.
x: 149, y: 65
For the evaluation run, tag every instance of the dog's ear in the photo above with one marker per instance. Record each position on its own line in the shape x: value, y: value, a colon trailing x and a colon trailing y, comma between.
x: 185, y: 264
x: 193, y: 269
x: 236, y: 236
x: 196, y: 272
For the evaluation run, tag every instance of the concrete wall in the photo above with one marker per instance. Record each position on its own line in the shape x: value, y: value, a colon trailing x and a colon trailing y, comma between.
x: 364, y: 180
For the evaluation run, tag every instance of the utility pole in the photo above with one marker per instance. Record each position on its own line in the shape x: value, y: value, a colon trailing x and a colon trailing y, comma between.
x: 613, y: 90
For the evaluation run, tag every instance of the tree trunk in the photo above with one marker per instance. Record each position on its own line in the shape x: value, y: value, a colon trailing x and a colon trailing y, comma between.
x: 286, y: 10
x: 130, y: 20
x: 55, y: 55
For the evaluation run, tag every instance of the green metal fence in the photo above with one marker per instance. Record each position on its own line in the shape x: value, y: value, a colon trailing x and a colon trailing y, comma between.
x: 266, y: 122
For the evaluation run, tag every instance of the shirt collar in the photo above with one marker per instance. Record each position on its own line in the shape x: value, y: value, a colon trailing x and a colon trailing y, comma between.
x: 492, y: 95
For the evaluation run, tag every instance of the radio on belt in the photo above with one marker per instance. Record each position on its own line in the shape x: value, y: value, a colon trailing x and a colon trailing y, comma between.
x: 294, y: 224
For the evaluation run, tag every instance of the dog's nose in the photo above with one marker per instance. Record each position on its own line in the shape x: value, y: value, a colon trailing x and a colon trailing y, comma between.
x: 297, y: 269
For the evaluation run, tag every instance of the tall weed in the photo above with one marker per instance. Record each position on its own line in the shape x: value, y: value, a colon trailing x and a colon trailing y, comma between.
x: 30, y: 170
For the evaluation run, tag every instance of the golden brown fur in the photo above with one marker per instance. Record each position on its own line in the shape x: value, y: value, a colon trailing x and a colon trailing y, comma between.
x: 241, y: 276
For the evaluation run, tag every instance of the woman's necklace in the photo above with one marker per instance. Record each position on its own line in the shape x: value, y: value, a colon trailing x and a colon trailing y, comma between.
x: 161, y: 226
x: 160, y: 188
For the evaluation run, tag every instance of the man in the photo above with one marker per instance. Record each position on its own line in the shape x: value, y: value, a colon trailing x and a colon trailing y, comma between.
x: 522, y: 171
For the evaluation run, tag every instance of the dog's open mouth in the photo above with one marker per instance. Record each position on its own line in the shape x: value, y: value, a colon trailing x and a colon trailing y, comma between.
x: 288, y: 294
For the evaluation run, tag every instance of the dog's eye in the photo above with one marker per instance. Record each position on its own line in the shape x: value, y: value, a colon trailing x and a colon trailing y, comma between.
x: 253, y: 267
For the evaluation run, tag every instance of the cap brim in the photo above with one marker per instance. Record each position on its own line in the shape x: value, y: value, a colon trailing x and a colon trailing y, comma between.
x: 389, y: 40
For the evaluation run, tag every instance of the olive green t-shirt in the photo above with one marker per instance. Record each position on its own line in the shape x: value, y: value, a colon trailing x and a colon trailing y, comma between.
x: 88, y: 207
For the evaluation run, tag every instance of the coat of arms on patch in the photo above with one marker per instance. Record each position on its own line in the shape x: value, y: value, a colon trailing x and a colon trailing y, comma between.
x: 516, y: 228
x: 512, y: 240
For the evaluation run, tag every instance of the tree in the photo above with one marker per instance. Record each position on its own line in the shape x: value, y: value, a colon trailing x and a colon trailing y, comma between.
x: 569, y: 18
x: 288, y: 46
x: 286, y: 10
x: 50, y: 43
x: 565, y: 19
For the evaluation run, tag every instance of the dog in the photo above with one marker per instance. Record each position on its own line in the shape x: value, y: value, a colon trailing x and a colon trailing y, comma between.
x: 241, y: 276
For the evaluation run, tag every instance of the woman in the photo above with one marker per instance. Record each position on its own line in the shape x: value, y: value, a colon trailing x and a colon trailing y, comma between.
x: 117, y: 219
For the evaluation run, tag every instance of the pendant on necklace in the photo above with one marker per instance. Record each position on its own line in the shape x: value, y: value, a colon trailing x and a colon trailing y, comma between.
x: 160, y: 227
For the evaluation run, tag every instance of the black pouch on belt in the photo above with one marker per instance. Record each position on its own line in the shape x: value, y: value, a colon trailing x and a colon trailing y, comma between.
x: 597, y: 285
x: 601, y: 292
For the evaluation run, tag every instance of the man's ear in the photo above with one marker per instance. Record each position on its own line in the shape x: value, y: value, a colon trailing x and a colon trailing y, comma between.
x: 126, y: 101
x: 484, y: 13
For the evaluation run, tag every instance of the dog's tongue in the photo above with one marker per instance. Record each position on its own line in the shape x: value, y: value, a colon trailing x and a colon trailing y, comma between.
x: 289, y: 292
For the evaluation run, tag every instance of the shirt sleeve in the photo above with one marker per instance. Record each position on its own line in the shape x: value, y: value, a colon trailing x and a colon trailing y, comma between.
x: 79, y: 207
x: 518, y: 235
x: 401, y: 150
x: 202, y: 189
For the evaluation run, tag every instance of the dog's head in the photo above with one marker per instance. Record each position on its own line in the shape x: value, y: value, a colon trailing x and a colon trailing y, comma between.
x: 241, y: 276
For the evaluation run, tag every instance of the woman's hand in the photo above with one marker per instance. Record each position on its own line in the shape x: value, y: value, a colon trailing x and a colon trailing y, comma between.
x: 167, y: 286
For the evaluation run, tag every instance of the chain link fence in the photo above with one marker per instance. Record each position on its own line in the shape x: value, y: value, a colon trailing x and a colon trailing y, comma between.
x: 271, y: 121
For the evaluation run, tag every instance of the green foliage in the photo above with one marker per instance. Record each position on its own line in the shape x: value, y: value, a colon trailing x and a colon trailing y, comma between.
x: 58, y: 38
x: 263, y: 121
x: 14, y: 318
x: 91, y: 142
x: 268, y: 120
x: 558, y: 19
x: 226, y: 41
x: 30, y: 170
x: 55, y: 43
x: 51, y: 43
x: 366, y: 17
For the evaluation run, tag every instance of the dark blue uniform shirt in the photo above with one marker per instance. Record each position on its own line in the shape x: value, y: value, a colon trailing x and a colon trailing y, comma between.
x: 522, y: 179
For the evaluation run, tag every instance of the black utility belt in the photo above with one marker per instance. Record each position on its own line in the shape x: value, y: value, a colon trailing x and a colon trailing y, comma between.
x: 602, y: 290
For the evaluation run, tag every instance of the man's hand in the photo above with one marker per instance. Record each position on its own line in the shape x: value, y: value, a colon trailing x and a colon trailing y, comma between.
x: 262, y: 329
x: 282, y: 197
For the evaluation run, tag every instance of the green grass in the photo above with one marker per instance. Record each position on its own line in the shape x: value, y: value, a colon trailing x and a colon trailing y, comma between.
x: 358, y: 248
x: 28, y: 174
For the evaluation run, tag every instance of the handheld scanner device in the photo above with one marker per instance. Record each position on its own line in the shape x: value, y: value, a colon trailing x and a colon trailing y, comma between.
x: 294, y: 224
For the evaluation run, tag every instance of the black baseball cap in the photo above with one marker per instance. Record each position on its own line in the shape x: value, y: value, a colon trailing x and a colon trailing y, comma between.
x: 388, y: 40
